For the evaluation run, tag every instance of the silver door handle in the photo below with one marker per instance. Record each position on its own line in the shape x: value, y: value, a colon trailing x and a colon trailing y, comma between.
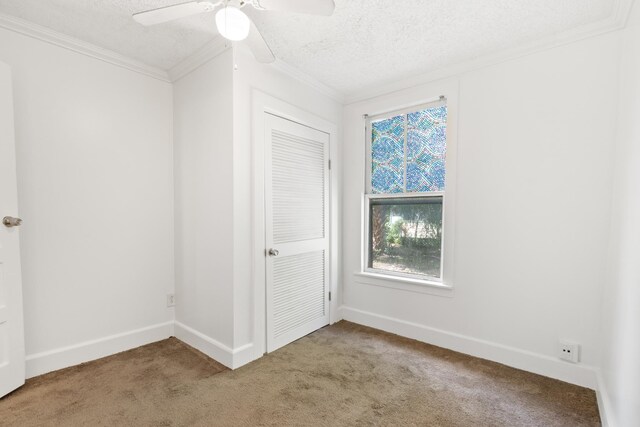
x: 273, y: 252
x: 10, y: 221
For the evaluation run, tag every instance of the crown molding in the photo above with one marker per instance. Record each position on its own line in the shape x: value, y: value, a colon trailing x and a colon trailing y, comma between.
x: 219, y: 44
x: 203, y: 55
x: 617, y: 20
x: 71, y: 43
x: 308, y: 80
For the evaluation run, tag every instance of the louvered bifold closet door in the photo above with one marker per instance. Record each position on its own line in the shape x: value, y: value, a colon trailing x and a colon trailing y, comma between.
x: 297, y: 226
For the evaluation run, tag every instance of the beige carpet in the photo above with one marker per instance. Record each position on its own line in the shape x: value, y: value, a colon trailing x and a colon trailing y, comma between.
x: 342, y: 375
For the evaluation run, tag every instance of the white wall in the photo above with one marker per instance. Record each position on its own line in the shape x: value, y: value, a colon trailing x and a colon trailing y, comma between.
x: 95, y: 182
x: 620, y: 382
x: 204, y: 222
x: 534, y: 161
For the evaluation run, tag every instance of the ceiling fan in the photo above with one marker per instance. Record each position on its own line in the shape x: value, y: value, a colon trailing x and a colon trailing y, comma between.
x: 232, y: 23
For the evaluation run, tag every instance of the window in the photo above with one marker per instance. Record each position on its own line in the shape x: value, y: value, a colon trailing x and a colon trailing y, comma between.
x: 406, y: 192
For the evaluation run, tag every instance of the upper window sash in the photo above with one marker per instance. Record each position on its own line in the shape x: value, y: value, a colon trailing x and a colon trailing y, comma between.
x: 369, y: 120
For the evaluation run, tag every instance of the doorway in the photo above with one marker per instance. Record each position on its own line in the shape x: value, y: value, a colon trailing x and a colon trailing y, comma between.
x: 12, y: 358
x: 296, y: 230
x: 292, y: 123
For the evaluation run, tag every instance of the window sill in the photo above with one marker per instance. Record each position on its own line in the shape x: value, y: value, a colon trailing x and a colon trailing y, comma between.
x: 404, y: 283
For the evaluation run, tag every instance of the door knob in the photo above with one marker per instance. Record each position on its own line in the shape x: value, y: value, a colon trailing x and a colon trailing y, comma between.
x: 10, y: 221
x: 273, y: 252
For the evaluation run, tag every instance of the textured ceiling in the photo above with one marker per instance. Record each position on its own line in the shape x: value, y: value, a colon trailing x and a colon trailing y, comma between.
x: 374, y: 41
x: 364, y: 43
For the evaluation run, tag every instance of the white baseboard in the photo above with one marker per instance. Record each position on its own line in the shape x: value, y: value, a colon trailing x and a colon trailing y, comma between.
x: 581, y: 375
x: 243, y: 355
x: 231, y: 358
x: 212, y: 348
x: 64, y: 357
x: 604, y: 402
x: 52, y: 360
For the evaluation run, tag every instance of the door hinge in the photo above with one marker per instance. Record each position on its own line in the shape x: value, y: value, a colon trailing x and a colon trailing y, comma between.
x: 329, y: 295
x: 329, y: 164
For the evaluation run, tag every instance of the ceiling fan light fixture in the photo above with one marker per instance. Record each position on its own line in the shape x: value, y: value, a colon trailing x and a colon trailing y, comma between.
x: 232, y: 23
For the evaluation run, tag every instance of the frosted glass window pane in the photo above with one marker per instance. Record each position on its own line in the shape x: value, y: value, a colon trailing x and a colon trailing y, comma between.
x: 408, y: 152
x: 387, y: 155
x: 426, y: 149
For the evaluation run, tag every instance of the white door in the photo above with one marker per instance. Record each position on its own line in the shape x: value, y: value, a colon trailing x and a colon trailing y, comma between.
x: 12, y: 370
x: 297, y: 230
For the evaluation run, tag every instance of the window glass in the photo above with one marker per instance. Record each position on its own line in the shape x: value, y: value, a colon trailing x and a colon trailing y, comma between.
x: 387, y: 155
x: 408, y: 152
x: 426, y: 149
x: 406, y: 192
x: 406, y: 235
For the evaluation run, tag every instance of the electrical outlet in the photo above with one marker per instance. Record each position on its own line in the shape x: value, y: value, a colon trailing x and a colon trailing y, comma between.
x: 569, y: 351
x: 171, y: 300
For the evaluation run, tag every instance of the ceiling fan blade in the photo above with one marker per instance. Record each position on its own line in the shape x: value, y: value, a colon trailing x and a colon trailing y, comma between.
x: 258, y: 46
x: 312, y: 7
x: 169, y: 13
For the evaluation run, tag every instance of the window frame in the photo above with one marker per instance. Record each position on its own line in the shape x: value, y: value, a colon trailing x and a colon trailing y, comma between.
x: 398, y: 279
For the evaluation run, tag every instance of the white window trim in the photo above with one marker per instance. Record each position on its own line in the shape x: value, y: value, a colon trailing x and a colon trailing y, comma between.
x: 403, y: 284
x: 443, y: 286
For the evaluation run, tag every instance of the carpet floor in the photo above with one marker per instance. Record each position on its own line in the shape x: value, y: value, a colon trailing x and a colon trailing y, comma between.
x: 341, y: 375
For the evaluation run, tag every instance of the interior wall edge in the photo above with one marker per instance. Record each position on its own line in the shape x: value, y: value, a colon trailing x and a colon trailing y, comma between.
x: 581, y: 375
x: 64, y: 357
x: 243, y: 355
x: 203, y: 55
x: 204, y: 343
x: 306, y: 79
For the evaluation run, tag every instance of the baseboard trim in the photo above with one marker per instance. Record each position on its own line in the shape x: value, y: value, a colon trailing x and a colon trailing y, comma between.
x: 243, y: 355
x: 604, y: 402
x: 581, y: 375
x: 231, y: 358
x: 209, y: 346
x: 64, y: 357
